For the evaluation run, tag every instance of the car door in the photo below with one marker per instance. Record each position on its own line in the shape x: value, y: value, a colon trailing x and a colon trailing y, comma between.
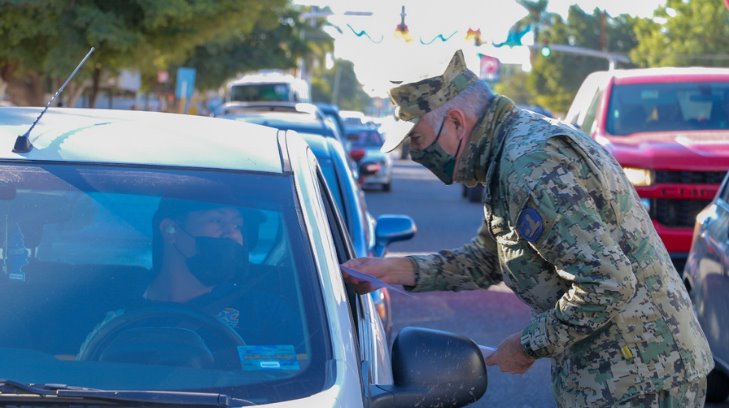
x: 714, y: 269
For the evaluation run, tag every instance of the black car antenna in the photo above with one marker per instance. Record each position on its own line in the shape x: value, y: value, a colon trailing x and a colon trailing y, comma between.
x: 22, y: 143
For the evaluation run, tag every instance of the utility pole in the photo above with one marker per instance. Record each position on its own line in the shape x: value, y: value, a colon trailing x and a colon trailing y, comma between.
x: 612, y: 57
x: 335, y: 86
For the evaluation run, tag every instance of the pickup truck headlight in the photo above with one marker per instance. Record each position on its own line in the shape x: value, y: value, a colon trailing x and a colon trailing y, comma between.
x: 639, y: 177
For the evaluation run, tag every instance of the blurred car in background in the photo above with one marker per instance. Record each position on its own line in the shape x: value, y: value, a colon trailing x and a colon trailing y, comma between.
x: 242, y: 108
x: 707, y: 279
x: 268, y: 85
x: 299, y: 121
x: 352, y: 118
x: 375, y: 167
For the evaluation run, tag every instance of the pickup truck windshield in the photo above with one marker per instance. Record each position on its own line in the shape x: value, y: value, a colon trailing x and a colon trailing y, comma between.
x: 665, y: 107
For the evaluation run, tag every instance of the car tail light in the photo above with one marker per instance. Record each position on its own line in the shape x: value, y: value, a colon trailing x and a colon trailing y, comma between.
x: 372, y: 168
x: 357, y: 154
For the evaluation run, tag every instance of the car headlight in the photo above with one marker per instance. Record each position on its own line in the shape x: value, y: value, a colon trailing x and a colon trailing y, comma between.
x: 639, y: 177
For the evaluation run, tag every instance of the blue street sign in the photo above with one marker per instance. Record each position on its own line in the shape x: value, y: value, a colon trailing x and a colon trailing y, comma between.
x: 185, y: 82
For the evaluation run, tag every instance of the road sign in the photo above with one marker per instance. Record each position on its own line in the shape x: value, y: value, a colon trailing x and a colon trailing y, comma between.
x: 490, y: 67
x: 185, y: 82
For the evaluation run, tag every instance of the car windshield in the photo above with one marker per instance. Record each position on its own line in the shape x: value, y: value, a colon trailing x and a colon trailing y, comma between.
x: 660, y: 107
x: 365, y: 138
x: 83, y: 248
x: 260, y: 92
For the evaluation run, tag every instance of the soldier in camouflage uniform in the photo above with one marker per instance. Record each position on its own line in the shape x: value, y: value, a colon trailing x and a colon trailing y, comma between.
x: 565, y: 230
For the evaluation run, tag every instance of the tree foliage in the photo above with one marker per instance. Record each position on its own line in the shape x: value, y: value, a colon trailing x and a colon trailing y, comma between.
x: 695, y: 33
x: 45, y: 39
x: 340, y: 86
x: 555, y: 79
x: 276, y: 43
x: 514, y: 85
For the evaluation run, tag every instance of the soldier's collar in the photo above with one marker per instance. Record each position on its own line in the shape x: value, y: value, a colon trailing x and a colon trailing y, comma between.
x: 483, y: 141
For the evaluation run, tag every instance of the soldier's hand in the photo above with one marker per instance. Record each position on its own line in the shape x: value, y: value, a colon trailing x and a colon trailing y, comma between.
x: 510, y: 356
x: 396, y: 271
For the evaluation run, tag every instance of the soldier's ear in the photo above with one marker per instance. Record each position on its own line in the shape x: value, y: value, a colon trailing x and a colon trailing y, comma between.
x: 458, y: 118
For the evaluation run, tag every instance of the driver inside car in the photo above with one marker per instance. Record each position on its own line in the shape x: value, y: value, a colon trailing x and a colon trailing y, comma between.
x: 200, y: 266
x: 197, y: 248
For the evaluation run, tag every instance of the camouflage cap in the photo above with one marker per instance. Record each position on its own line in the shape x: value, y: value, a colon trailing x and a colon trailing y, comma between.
x: 415, y: 99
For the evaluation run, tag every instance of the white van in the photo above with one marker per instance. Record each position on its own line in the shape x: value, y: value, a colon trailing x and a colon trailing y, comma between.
x: 268, y: 86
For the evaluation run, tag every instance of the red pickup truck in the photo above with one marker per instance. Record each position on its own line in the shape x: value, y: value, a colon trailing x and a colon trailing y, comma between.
x: 669, y: 129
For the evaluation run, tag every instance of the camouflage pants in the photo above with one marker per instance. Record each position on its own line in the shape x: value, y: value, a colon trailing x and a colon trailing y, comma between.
x: 688, y: 395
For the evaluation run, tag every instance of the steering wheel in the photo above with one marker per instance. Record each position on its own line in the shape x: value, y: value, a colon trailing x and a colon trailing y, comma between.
x: 167, y: 334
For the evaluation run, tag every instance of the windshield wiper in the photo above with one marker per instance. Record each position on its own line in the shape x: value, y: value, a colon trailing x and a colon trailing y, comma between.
x: 61, y: 392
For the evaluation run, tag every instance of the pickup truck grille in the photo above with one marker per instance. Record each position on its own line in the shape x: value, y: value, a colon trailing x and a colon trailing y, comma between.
x: 677, y: 213
x: 690, y: 177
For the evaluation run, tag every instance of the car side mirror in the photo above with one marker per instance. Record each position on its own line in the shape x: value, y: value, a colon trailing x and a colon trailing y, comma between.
x: 432, y: 368
x: 392, y: 228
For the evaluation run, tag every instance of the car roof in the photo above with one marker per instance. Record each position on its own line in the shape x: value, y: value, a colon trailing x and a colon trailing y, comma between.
x: 264, y: 77
x: 285, y: 120
x: 139, y: 138
x: 669, y: 73
x: 270, y: 106
x: 318, y: 144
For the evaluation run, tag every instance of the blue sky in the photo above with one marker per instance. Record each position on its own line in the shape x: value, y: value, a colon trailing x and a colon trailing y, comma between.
x: 383, y: 57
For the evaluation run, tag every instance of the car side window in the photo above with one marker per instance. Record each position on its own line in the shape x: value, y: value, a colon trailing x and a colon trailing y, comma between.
x: 724, y: 195
x: 339, y: 233
x: 589, y: 120
x: 341, y: 242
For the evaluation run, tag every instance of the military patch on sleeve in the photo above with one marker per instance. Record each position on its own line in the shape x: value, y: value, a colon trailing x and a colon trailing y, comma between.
x: 530, y: 224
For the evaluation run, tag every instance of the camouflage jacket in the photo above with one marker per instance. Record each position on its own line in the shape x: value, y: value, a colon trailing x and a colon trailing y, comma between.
x: 565, y: 230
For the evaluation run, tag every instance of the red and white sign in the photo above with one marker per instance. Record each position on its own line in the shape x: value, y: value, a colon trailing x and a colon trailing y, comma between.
x: 490, y: 67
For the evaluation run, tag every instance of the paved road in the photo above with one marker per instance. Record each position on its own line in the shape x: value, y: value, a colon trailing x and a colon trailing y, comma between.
x: 447, y: 220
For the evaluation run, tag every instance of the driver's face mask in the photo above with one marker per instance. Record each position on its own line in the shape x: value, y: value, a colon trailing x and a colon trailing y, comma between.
x: 436, y: 159
x: 216, y: 260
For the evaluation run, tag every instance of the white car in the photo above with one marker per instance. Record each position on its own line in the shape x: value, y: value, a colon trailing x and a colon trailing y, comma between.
x: 80, y: 199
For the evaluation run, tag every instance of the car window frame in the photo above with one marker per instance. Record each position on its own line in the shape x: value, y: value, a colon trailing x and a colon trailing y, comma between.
x: 360, y: 309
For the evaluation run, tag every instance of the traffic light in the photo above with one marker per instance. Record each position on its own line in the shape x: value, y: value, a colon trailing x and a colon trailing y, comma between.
x: 546, y: 51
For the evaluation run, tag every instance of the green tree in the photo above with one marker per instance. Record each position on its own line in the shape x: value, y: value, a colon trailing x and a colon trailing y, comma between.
x: 514, y: 85
x: 276, y: 42
x: 695, y: 33
x: 144, y: 34
x: 555, y: 79
x: 340, y: 86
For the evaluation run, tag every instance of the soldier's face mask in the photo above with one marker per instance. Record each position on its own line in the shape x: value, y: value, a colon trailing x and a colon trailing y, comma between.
x: 436, y: 159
